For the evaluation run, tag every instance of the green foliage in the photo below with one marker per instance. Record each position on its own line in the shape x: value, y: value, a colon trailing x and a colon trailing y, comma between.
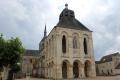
x: 2, y: 48
x: 16, y: 68
x: 11, y: 52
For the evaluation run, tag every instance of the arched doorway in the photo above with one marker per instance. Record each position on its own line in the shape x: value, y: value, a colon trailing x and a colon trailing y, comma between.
x: 64, y: 70
x: 87, y: 66
x: 75, y: 70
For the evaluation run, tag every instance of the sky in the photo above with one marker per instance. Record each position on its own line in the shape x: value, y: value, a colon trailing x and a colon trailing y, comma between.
x: 26, y: 19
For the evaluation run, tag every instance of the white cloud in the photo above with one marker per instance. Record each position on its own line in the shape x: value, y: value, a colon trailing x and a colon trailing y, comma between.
x: 12, y: 7
x: 26, y: 19
x: 118, y: 39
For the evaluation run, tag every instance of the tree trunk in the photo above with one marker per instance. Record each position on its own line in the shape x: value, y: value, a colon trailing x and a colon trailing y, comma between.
x: 10, y: 75
x: 5, y: 73
x: 0, y: 75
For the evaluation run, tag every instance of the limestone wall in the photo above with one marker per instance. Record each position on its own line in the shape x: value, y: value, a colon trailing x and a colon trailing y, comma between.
x: 54, y: 56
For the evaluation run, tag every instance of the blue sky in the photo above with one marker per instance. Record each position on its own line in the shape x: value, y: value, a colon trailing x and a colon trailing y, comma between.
x: 26, y: 19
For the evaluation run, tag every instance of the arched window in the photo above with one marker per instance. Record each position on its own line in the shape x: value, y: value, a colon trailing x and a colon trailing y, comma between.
x: 85, y: 45
x: 64, y: 44
x: 75, y: 43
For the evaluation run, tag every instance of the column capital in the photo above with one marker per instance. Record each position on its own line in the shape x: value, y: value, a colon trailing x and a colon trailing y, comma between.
x: 82, y: 65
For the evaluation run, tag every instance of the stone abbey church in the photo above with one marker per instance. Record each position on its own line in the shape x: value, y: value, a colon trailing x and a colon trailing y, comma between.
x: 67, y: 51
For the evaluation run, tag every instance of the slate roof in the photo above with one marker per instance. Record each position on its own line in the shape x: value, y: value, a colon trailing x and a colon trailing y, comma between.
x: 108, y: 58
x: 31, y: 53
x: 67, y: 20
x: 43, y: 39
x: 97, y: 62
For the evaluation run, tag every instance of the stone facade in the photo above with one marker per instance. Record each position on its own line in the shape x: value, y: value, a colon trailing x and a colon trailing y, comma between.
x: 30, y: 64
x: 67, y: 52
x: 109, y: 65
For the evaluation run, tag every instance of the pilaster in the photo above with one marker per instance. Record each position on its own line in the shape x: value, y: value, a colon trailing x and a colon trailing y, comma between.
x: 70, y: 71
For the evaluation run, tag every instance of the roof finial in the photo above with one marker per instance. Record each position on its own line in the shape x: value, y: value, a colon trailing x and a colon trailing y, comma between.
x: 66, y: 6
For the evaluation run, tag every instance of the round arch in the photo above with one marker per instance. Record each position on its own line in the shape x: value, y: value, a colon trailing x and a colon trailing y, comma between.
x: 75, y: 34
x: 65, y: 68
x: 64, y: 33
x: 76, y: 68
x: 78, y: 61
x: 87, y: 68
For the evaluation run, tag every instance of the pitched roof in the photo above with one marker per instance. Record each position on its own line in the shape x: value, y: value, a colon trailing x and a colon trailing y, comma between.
x: 108, y: 58
x: 31, y: 53
x: 67, y: 20
x: 97, y: 62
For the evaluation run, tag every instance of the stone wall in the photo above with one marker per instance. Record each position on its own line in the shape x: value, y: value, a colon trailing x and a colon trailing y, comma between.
x: 54, y: 57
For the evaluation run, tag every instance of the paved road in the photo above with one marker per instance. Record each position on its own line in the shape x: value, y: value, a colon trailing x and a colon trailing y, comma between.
x: 97, y: 78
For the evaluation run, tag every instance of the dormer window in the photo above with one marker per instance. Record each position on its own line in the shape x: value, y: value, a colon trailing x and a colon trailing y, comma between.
x: 66, y: 13
x: 71, y: 13
x: 61, y: 15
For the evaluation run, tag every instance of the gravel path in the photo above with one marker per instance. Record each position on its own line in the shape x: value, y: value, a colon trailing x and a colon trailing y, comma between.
x: 97, y: 78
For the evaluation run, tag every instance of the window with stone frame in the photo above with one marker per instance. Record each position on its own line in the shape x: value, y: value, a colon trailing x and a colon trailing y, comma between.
x: 64, y: 44
x: 85, y: 46
x: 75, y: 43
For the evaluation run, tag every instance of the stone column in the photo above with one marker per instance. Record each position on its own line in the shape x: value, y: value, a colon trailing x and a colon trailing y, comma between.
x: 92, y: 70
x: 58, y: 57
x: 52, y: 71
x: 48, y: 72
x: 55, y: 71
x: 82, y: 73
x: 59, y: 72
x: 70, y: 71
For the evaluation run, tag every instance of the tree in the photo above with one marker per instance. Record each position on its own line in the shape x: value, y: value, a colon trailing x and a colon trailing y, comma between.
x: 11, y: 52
x: 2, y: 45
x: 1, y: 51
